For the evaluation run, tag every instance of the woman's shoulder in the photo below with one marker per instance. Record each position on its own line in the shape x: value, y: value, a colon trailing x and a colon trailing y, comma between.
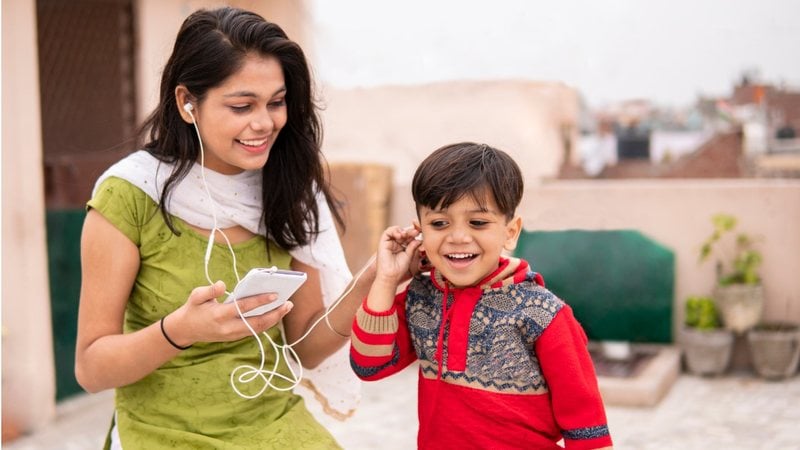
x: 115, y: 190
x: 126, y: 206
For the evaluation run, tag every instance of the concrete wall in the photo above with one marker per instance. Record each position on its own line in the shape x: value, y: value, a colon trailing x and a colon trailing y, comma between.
x: 400, y: 125
x: 676, y: 213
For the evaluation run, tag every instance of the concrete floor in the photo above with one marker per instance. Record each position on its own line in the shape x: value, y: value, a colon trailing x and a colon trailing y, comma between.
x: 737, y: 411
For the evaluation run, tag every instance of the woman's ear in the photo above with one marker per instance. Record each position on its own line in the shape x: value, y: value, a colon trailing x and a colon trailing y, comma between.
x: 183, y: 98
x: 513, y: 230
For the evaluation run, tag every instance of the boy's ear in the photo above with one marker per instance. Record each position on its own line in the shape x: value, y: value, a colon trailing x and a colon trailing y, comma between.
x: 416, y: 225
x: 513, y: 230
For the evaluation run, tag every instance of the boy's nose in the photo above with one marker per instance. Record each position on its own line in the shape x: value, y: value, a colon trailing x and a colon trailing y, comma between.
x: 460, y: 236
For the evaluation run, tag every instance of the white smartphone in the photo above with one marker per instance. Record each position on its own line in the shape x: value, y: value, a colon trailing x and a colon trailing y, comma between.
x: 264, y: 280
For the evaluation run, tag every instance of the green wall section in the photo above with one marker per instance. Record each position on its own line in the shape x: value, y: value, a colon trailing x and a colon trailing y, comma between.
x: 63, y: 247
x: 619, y: 283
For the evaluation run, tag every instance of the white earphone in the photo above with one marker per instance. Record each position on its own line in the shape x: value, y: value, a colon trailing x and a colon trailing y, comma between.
x: 188, y: 107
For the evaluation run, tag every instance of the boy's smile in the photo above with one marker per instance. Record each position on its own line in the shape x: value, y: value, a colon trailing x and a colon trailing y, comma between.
x: 464, y: 241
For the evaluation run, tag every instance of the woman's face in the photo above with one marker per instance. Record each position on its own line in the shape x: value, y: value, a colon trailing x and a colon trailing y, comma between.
x: 240, y: 119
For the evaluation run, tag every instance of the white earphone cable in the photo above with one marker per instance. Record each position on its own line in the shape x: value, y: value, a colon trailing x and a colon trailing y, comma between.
x: 252, y: 373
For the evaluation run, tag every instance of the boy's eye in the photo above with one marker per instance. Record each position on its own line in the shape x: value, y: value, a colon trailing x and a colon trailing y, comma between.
x: 438, y: 223
x: 478, y: 223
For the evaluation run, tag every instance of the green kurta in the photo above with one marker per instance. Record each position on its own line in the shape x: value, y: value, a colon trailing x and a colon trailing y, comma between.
x: 189, y: 402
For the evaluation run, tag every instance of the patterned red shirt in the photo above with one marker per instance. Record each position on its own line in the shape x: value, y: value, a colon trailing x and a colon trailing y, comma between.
x: 502, y: 365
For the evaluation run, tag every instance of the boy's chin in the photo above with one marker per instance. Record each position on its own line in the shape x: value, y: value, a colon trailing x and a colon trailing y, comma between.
x: 462, y: 281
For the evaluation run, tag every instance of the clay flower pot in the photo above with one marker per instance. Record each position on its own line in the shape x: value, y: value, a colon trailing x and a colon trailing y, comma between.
x: 775, y: 349
x: 707, y: 352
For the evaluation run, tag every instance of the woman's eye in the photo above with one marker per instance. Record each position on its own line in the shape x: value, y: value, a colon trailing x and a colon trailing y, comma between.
x: 240, y: 108
x: 277, y: 103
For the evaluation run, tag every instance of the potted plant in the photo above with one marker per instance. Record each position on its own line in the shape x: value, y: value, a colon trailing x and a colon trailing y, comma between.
x: 775, y: 349
x: 738, y: 292
x: 706, y: 345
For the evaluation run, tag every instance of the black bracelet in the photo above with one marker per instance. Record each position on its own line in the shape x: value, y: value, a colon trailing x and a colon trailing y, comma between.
x: 171, y: 342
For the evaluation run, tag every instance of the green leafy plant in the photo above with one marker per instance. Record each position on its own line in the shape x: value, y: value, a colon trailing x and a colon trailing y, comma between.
x: 744, y: 261
x: 701, y: 313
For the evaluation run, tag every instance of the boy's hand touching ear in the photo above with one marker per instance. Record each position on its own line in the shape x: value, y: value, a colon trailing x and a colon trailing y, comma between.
x: 397, y: 250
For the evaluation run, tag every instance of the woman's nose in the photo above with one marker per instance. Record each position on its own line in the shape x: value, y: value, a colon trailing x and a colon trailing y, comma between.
x: 262, y: 121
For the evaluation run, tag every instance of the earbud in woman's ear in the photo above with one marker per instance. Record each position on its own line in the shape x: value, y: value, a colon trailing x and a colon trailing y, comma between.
x: 188, y: 107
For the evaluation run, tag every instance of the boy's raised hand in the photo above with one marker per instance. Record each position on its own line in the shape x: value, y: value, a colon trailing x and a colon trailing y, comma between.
x: 396, y: 250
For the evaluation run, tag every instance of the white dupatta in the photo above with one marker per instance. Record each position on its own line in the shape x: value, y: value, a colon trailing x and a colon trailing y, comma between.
x: 238, y: 202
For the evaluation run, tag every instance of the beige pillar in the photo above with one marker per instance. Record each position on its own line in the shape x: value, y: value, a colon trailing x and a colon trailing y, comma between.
x: 28, y: 367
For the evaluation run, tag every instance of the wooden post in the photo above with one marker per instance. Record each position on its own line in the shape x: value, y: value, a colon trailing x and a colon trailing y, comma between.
x: 366, y: 193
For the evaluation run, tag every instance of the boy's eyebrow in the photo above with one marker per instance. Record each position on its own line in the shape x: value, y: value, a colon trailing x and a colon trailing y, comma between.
x: 476, y: 210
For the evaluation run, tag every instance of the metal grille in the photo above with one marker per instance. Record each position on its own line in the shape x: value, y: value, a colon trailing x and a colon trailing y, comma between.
x: 86, y: 72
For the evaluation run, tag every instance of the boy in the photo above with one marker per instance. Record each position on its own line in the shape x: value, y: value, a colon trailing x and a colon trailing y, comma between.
x: 502, y: 362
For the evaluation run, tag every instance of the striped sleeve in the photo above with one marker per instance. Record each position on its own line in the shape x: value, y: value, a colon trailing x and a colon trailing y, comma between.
x: 380, y: 344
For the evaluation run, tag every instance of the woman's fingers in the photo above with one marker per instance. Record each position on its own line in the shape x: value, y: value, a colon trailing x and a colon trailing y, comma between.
x: 263, y: 322
x: 202, y: 294
x: 249, y: 304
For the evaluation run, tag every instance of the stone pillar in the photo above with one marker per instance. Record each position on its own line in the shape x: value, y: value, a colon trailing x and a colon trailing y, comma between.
x: 28, y: 375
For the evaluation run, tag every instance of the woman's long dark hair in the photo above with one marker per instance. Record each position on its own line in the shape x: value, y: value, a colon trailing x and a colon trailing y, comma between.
x: 211, y: 46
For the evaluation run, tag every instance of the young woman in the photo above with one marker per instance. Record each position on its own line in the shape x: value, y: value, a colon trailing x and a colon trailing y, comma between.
x: 230, y: 178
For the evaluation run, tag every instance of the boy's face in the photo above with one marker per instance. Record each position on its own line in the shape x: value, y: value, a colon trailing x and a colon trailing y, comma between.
x: 464, y: 241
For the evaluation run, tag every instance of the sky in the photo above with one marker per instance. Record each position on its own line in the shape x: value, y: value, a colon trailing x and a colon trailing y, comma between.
x: 667, y: 51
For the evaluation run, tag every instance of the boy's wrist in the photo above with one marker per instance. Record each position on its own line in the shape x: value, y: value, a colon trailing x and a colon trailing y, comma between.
x: 381, y: 294
x: 386, y: 282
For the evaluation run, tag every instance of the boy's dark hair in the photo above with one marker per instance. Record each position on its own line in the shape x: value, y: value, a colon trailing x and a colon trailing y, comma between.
x: 467, y: 168
x: 211, y: 46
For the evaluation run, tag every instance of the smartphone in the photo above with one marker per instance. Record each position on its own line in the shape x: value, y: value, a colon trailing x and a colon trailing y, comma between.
x: 265, y: 280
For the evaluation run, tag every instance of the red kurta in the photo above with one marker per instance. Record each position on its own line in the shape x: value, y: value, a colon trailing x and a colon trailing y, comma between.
x: 507, y: 367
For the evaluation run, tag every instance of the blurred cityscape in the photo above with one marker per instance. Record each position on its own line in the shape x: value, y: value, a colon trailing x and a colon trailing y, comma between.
x: 753, y: 132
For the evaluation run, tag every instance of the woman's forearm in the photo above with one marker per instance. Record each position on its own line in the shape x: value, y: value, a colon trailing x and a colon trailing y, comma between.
x: 118, y: 360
